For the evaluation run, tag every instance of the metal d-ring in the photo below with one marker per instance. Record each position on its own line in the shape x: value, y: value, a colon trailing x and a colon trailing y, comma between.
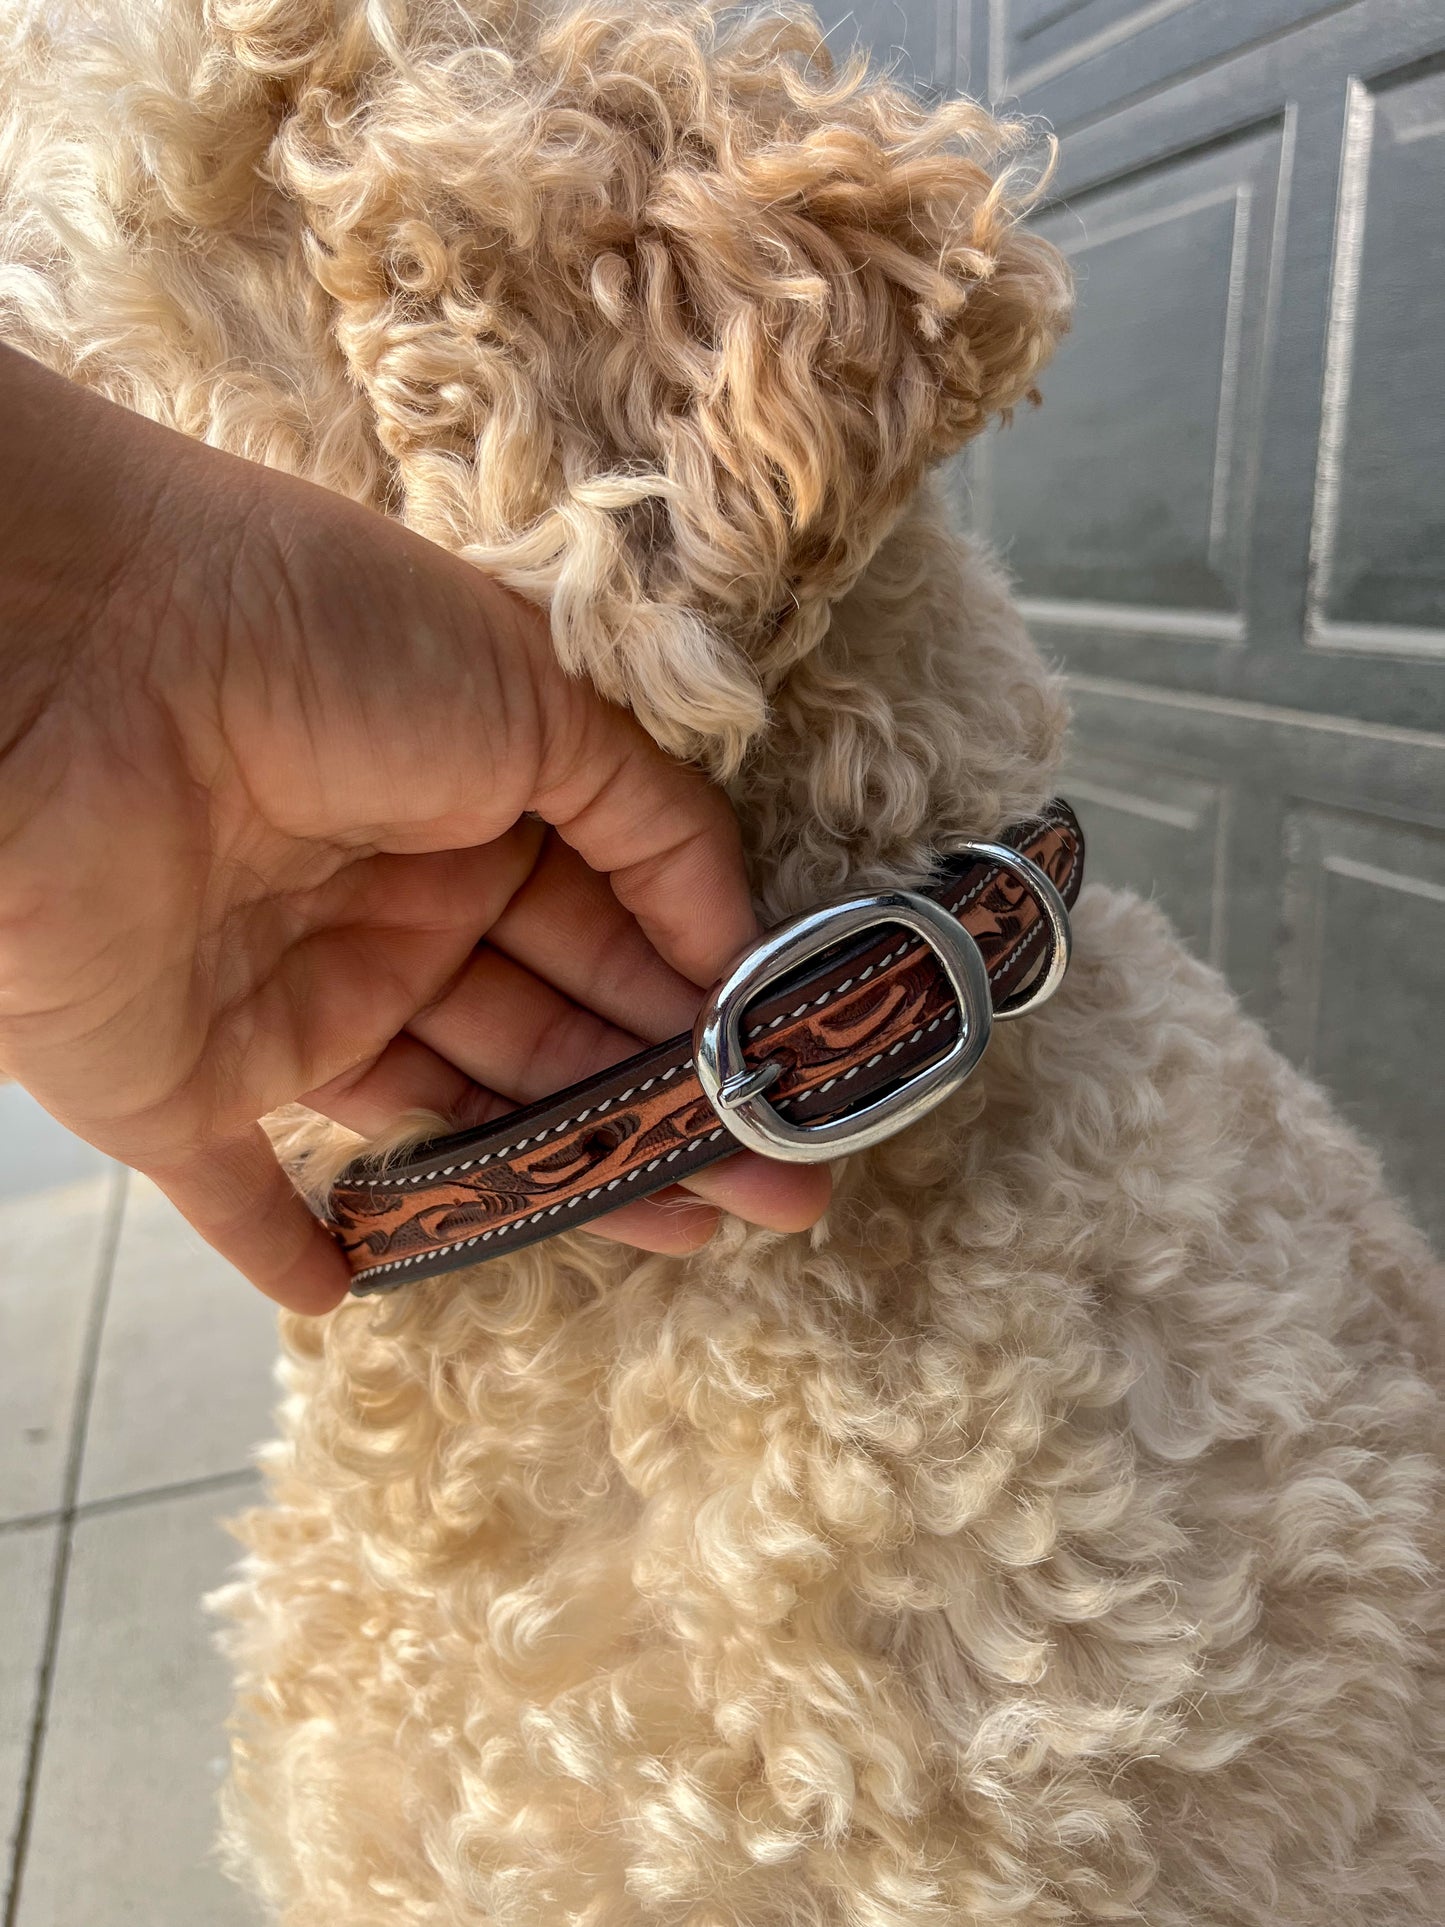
x: 1041, y: 886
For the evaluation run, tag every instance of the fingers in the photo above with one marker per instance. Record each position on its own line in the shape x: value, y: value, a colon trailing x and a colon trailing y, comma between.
x: 567, y: 927
x: 509, y: 1030
x: 377, y: 941
x: 406, y: 1076
x: 669, y: 1222
x: 513, y: 1033
x: 499, y: 1030
x: 665, y: 836
x: 783, y: 1197
x: 242, y: 1203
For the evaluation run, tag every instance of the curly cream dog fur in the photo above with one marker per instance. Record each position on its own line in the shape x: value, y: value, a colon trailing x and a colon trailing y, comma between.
x: 1050, y: 1536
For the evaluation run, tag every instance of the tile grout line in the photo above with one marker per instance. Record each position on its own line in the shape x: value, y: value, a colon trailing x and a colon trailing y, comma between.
x: 60, y: 1573
x: 242, y: 1475
x: 28, y: 1521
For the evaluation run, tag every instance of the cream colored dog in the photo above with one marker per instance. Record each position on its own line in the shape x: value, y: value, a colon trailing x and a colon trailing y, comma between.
x: 1046, y: 1538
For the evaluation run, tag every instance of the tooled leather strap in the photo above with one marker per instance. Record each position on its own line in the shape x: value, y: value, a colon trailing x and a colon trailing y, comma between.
x: 865, y: 1015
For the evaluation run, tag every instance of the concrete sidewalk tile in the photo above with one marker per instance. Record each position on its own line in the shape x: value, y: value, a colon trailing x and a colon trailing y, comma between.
x: 183, y: 1388
x: 27, y: 1565
x: 36, y: 1153
x: 125, y: 1812
x: 50, y: 1253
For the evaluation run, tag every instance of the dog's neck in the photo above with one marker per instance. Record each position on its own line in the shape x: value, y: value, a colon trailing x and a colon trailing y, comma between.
x: 924, y: 710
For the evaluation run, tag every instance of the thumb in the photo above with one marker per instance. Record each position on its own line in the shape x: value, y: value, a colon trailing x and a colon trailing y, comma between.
x: 666, y: 837
x: 239, y: 1199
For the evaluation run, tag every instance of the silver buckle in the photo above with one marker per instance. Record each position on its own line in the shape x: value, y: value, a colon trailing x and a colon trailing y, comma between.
x: 735, y: 1087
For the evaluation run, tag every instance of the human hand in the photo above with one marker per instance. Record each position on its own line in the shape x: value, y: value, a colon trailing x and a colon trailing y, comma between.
x: 271, y: 768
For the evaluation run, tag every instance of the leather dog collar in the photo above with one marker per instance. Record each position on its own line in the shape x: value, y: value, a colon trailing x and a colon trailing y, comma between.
x: 848, y: 1039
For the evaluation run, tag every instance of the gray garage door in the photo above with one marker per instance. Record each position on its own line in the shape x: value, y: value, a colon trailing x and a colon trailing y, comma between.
x: 1228, y: 519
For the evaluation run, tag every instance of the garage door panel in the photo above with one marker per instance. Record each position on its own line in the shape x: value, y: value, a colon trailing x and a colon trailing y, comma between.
x: 1359, y: 995
x: 1072, y: 60
x: 1227, y: 522
x: 1379, y: 534
x: 1159, y: 831
x: 1134, y: 486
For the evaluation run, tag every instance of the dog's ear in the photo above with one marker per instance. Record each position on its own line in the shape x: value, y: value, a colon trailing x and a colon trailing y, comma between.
x: 639, y: 303
x: 661, y: 317
x: 865, y: 300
